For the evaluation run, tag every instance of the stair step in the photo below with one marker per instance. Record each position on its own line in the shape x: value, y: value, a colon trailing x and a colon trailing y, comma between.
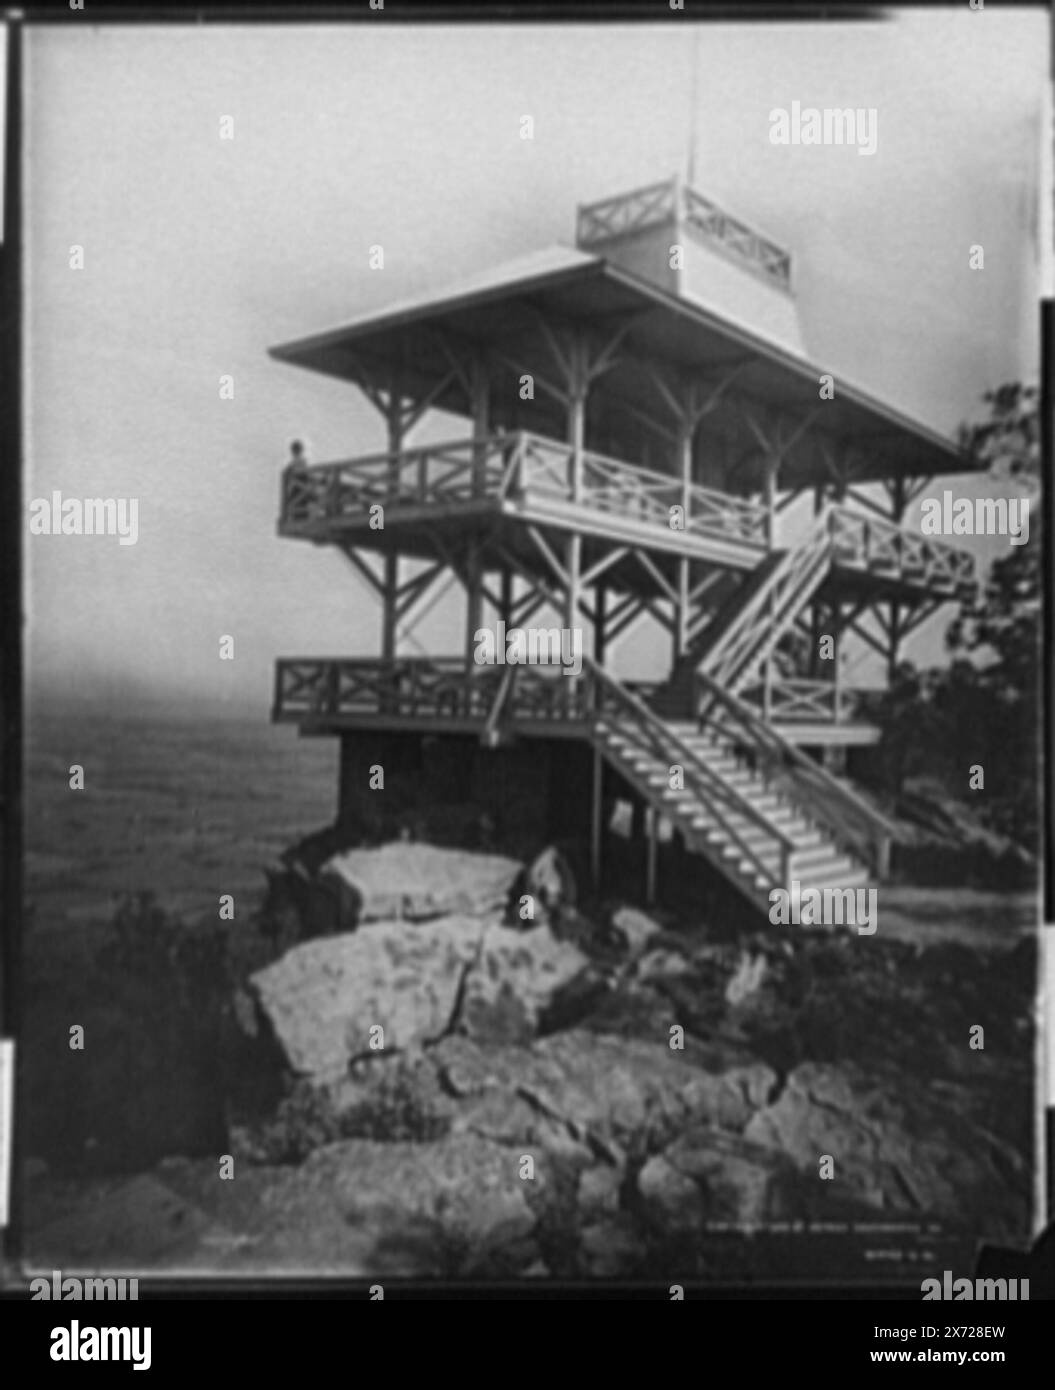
x: 830, y: 871
x: 803, y: 860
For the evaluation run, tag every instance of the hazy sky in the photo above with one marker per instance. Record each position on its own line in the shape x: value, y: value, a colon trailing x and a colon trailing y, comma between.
x: 202, y: 252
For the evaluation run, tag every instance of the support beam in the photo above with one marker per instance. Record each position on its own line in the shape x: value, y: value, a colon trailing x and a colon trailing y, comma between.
x: 917, y: 491
x: 920, y: 616
x: 543, y: 547
x: 655, y: 574
x: 376, y: 584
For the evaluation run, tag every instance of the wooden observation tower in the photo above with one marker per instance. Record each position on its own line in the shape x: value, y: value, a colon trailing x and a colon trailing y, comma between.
x: 642, y: 421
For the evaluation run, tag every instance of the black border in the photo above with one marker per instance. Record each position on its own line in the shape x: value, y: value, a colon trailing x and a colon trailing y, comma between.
x: 13, y: 1282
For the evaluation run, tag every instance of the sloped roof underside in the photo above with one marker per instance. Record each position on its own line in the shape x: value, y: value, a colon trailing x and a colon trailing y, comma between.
x: 499, y: 312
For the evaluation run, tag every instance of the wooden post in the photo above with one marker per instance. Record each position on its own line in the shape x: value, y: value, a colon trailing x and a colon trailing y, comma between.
x: 596, y: 818
x: 480, y: 403
x: 506, y: 597
x: 600, y: 636
x: 650, y: 856
x: 391, y: 577
x: 895, y: 638
x: 576, y: 427
x: 573, y: 566
x: 577, y: 388
x: 772, y: 467
x: 897, y: 499
x: 474, y: 603
x: 837, y: 673
x: 681, y: 623
x: 767, y: 688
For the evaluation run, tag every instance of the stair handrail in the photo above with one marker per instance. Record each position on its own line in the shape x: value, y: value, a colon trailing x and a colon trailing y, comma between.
x: 489, y: 735
x: 812, y: 557
x: 708, y: 784
x: 822, y: 788
x: 816, y: 546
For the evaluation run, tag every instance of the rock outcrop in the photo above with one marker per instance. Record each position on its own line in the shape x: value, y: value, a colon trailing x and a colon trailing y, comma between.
x: 414, y: 981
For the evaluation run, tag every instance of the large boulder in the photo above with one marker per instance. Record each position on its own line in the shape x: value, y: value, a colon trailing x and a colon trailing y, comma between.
x: 416, y: 981
x: 323, y: 997
x: 418, y: 881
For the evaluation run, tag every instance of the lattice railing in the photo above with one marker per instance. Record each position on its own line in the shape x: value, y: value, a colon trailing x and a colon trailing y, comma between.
x: 661, y: 202
x: 516, y: 465
x: 872, y: 543
x: 456, y: 471
x: 413, y: 687
x: 804, y: 701
x: 733, y: 235
x: 626, y: 212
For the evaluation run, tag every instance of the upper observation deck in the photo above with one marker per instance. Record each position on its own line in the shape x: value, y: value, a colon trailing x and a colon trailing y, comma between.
x: 499, y: 487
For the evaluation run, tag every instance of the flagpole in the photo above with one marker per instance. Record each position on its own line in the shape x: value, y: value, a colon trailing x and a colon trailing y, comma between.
x: 694, y: 59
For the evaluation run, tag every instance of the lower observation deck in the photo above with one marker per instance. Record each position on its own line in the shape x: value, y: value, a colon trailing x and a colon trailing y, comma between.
x: 759, y: 810
x: 516, y: 495
x: 450, y: 695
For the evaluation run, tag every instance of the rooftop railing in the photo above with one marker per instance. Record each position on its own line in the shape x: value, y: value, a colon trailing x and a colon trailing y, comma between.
x: 658, y: 203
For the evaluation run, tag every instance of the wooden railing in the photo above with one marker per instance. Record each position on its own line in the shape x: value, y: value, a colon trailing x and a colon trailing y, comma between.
x: 837, y: 536
x: 657, y: 203
x: 851, y: 822
x: 880, y: 546
x: 429, y: 687
x: 733, y: 235
x: 456, y: 471
x: 626, y: 212
x: 811, y: 701
x: 518, y: 465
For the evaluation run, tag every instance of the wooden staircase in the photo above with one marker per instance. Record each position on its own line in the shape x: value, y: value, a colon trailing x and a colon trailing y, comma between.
x: 754, y: 806
x: 751, y: 622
